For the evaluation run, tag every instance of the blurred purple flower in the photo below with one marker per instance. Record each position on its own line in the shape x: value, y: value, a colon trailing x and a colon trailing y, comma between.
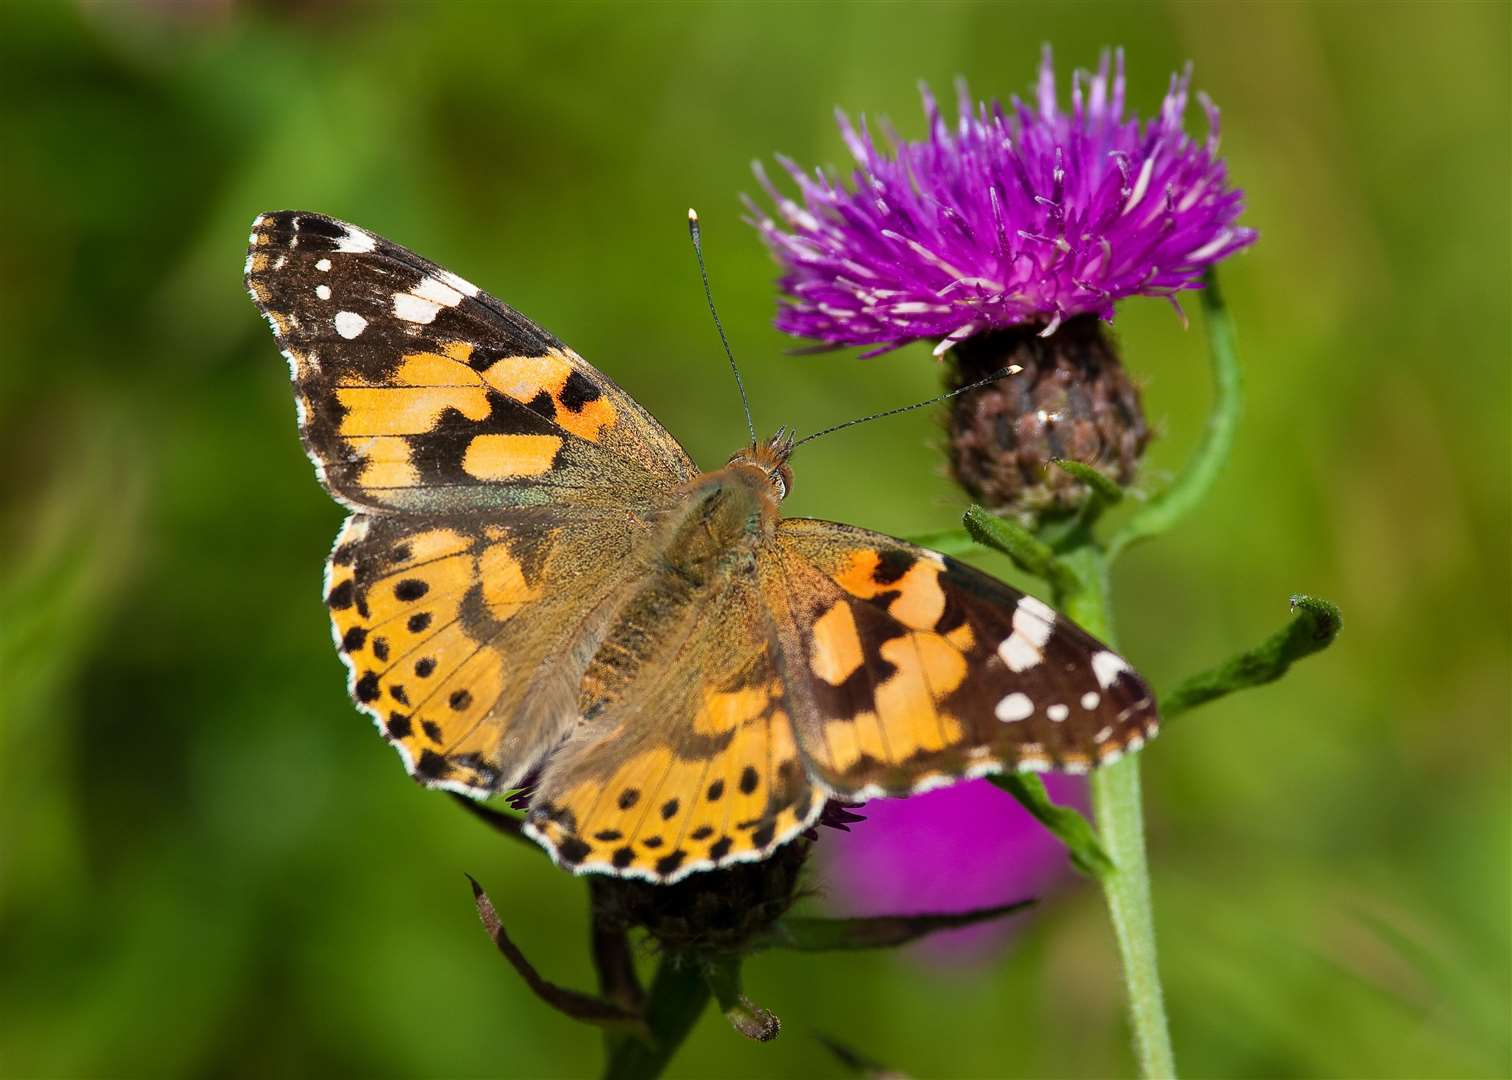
x: 1009, y: 217
x: 952, y: 849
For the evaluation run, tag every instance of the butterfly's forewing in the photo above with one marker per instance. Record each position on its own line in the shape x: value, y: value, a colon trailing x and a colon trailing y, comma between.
x: 494, y: 472
x: 420, y: 393
x: 687, y: 758
x: 914, y: 669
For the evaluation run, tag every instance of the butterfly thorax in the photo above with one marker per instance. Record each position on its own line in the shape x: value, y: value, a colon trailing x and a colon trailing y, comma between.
x: 703, y: 542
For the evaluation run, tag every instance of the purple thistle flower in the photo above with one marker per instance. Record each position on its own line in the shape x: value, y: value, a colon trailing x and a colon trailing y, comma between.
x: 1008, y: 217
x: 957, y: 848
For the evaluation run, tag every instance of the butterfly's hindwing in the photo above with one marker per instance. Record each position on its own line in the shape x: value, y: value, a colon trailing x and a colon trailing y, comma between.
x: 696, y: 766
x: 418, y: 392
x: 920, y: 670
x: 456, y: 633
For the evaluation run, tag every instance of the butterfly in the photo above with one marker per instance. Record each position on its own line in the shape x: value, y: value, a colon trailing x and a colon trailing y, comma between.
x: 537, y: 588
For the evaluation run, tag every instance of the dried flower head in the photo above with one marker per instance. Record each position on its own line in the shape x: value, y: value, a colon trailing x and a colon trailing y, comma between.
x: 1007, y: 217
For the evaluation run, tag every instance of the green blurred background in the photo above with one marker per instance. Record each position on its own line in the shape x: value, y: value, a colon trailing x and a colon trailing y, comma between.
x: 210, y: 865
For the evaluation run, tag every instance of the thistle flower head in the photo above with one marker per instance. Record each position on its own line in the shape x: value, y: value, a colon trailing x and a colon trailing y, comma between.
x: 1008, y: 216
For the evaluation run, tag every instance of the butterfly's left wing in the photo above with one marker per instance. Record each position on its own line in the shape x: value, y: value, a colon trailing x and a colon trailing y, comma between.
x: 906, y: 669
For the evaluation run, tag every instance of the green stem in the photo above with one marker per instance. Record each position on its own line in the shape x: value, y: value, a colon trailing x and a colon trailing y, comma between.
x: 679, y: 994
x: 1120, y: 821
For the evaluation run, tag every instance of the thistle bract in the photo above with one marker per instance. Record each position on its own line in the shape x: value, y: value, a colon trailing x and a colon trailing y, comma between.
x: 1008, y: 216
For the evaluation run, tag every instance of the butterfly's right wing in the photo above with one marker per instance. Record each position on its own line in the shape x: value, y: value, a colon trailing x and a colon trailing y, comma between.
x: 420, y: 393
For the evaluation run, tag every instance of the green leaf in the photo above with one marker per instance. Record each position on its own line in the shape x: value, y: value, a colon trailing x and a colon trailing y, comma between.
x: 1073, y: 830
x: 1028, y: 553
x: 1194, y: 481
x: 1103, y: 489
x: 1314, y: 625
x: 876, y: 932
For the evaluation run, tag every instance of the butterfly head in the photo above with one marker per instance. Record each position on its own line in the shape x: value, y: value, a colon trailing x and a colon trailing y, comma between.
x: 771, y: 458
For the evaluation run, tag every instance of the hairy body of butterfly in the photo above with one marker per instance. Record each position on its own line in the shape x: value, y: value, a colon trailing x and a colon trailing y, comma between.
x: 538, y: 586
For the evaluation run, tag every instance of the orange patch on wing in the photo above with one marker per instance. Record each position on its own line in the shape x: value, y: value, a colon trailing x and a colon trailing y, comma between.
x: 835, y: 649
x: 905, y: 704
x: 503, y: 457
x: 460, y: 351
x: 856, y: 576
x: 724, y: 711
x: 523, y: 377
x: 505, y: 589
x: 403, y: 410
x: 387, y: 463
x: 842, y: 744
x: 921, y: 601
x: 589, y: 420
x: 944, y: 666
x: 433, y: 369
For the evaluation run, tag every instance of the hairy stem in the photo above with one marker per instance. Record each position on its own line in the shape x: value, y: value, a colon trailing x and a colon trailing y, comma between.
x: 1119, y: 814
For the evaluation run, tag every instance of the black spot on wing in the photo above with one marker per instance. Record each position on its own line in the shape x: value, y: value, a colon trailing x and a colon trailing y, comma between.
x: 341, y: 596
x: 432, y: 766
x: 572, y: 850
x: 892, y: 564
x: 669, y: 863
x: 410, y: 589
x: 577, y: 392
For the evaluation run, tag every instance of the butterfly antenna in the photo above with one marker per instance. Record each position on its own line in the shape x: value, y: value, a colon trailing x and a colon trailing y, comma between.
x: 745, y: 402
x: 1011, y: 369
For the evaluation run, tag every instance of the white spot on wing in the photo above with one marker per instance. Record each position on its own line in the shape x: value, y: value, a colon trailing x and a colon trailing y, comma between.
x: 1033, y: 623
x: 1015, y: 707
x: 323, y: 291
x: 437, y: 292
x: 1058, y: 712
x: 1090, y: 700
x: 1019, y: 653
x: 462, y: 285
x: 323, y: 265
x: 413, y: 309
x: 356, y: 241
x: 349, y: 324
x: 1107, y: 667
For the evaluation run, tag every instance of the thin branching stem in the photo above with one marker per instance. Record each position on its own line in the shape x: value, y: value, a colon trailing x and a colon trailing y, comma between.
x: 1194, y: 481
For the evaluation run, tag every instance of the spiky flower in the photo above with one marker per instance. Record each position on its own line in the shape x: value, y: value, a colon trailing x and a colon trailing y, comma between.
x: 1006, y: 217
x: 1004, y: 237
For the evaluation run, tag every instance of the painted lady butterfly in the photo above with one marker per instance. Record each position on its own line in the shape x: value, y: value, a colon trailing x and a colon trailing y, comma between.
x: 537, y: 587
